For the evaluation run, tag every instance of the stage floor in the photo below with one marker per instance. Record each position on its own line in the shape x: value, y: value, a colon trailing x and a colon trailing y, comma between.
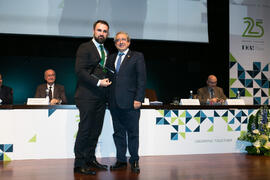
x: 184, y: 167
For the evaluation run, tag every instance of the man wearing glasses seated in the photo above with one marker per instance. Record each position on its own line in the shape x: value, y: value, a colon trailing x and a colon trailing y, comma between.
x: 211, y: 94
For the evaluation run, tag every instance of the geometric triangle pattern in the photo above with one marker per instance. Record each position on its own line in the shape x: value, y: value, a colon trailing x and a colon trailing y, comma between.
x: 184, y: 122
x: 4, y: 149
x: 252, y: 82
x: 50, y: 112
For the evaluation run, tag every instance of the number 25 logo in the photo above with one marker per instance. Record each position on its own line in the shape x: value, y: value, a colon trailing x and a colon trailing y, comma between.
x: 250, y: 26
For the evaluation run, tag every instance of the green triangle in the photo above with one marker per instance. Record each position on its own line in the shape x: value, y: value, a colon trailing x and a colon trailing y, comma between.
x: 6, y: 158
x: 229, y: 128
x: 225, y: 118
x: 180, y: 122
x: 33, y: 139
x: 232, y: 59
x: 247, y: 93
x: 183, y: 114
x: 183, y: 134
x: 173, y: 119
x: 161, y: 112
x: 232, y: 80
x: 232, y: 94
x: 211, y: 129
x: 198, y: 119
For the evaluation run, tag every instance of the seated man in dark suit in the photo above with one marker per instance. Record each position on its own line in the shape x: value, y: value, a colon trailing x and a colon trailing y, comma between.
x: 6, y: 93
x: 55, y: 91
x: 211, y: 94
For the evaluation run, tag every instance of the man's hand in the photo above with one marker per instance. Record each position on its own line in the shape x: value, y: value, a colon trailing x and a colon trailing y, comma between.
x: 55, y: 101
x: 105, y: 82
x: 137, y: 104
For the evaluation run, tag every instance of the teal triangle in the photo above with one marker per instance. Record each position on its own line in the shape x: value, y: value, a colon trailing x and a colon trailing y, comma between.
x: 232, y: 111
x: 188, y: 115
x: 8, y: 148
x: 243, y: 113
x: 245, y: 121
x: 197, y: 129
x: 263, y: 94
x: 202, y: 119
x: 188, y: 119
x: 225, y: 114
x: 240, y: 68
x: 211, y: 119
x: 202, y: 114
x: 50, y: 112
x: 239, y: 119
x: 175, y: 127
x: 266, y: 68
x: 259, y: 82
x: 167, y: 113
x: 238, y: 128
x: 232, y: 121
x: 256, y: 100
x: 241, y: 75
x: 175, y: 112
x: 265, y: 84
x: 197, y: 114
x: 239, y: 114
x: 174, y: 136
x: 159, y: 121
x: 266, y: 102
x: 187, y: 129
x: 250, y: 111
x: 166, y: 122
x: 257, y: 66
x: 216, y: 114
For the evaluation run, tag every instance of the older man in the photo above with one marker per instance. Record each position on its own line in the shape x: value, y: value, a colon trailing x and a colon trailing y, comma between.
x: 56, y: 92
x: 125, y: 98
x: 211, y: 94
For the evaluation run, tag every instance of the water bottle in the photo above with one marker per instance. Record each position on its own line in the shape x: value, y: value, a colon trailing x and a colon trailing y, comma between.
x: 190, y: 94
x: 238, y: 95
x: 47, y: 96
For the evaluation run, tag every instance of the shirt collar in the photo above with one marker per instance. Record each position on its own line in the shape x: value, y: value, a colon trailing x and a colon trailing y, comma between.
x: 125, y: 52
x: 96, y: 43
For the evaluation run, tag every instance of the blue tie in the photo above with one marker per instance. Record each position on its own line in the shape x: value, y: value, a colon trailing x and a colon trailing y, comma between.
x: 119, y: 61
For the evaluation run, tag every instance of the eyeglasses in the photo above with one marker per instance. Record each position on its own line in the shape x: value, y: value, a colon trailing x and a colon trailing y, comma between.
x: 122, y: 39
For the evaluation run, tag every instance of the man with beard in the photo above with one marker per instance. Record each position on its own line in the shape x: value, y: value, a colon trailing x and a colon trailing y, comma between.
x: 90, y: 98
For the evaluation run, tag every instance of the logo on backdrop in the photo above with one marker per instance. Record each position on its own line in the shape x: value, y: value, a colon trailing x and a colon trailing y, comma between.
x: 253, y: 29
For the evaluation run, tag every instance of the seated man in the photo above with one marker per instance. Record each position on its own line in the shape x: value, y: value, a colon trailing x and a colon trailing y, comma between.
x: 211, y: 94
x: 6, y: 93
x: 56, y: 92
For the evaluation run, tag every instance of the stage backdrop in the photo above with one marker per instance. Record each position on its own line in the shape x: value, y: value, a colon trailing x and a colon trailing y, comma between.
x: 250, y: 50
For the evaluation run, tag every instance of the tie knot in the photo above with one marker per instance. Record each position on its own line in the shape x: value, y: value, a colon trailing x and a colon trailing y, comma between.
x: 121, y: 54
x: 101, y: 47
x: 50, y: 87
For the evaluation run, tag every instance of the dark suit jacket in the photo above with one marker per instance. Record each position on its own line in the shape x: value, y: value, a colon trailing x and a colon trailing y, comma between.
x: 6, y: 94
x: 130, y: 82
x: 88, y: 72
x: 58, y: 93
x: 203, y: 94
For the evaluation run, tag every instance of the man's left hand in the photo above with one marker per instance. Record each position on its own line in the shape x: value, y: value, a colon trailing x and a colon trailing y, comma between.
x: 137, y: 104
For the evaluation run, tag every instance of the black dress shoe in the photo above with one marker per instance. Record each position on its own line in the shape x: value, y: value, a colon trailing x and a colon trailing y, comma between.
x: 97, y: 165
x: 82, y: 170
x: 118, y: 165
x: 135, y: 167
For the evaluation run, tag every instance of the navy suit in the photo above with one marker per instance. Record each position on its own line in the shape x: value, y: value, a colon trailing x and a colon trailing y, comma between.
x: 127, y: 85
x: 6, y: 95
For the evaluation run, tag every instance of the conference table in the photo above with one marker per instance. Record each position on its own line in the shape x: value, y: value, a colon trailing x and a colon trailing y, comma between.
x: 49, y: 131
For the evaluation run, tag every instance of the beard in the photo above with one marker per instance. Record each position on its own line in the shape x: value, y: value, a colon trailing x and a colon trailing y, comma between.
x: 100, y: 39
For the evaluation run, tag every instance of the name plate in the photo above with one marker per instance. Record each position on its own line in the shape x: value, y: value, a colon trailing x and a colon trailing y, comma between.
x: 189, y: 102
x: 37, y: 101
x: 235, y: 102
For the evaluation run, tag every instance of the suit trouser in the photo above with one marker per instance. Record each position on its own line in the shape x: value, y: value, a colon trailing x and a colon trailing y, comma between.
x: 91, y: 121
x: 126, y: 133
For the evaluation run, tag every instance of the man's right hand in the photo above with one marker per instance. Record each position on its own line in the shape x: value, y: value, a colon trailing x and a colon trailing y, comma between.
x: 105, y: 82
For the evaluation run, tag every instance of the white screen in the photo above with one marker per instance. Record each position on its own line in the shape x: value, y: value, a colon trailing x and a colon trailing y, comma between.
x: 176, y: 20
